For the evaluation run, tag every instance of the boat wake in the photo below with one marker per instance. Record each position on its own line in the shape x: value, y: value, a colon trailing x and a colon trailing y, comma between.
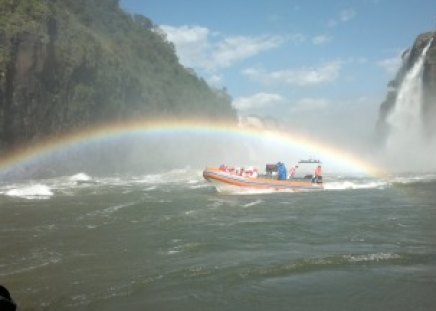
x: 355, y: 185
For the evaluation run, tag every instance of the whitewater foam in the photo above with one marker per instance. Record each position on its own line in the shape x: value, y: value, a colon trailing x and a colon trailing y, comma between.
x: 108, y: 211
x: 37, y: 191
x: 80, y: 177
x: 423, y: 178
x: 185, y: 175
x: 371, y: 257
x: 353, y: 185
x: 252, y: 203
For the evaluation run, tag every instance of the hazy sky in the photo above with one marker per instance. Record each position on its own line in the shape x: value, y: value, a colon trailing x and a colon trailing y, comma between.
x: 306, y: 63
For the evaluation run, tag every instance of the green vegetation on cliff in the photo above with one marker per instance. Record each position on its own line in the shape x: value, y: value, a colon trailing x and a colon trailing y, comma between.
x: 66, y: 64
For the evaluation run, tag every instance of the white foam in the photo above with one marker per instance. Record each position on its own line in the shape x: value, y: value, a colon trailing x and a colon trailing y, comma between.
x: 200, y: 186
x: 37, y: 191
x: 186, y: 175
x: 80, y: 177
x: 414, y: 179
x: 252, y: 203
x: 371, y: 257
x: 108, y: 211
x: 348, y: 185
x: 172, y: 252
x: 235, y: 190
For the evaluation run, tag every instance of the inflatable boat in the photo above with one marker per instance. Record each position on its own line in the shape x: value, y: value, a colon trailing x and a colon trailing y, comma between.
x: 275, y: 178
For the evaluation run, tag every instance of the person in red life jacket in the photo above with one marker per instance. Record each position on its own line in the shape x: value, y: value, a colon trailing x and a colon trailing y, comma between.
x: 318, y: 174
x: 293, y: 170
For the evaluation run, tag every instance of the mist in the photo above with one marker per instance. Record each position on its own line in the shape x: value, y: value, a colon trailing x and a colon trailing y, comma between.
x: 138, y: 154
x: 408, y: 146
x: 347, y: 126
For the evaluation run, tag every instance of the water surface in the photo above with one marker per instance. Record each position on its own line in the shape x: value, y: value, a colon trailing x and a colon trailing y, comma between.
x: 171, y: 242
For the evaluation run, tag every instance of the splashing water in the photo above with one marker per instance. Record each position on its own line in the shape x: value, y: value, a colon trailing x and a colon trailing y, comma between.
x: 405, y: 120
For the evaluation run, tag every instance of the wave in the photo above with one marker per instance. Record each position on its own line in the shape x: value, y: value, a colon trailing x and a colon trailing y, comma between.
x: 66, y: 185
x: 413, y: 178
x: 354, y: 185
x: 37, y: 191
x: 284, y: 269
x: 235, y: 190
x: 330, y: 185
x: 44, y: 188
x: 313, y: 264
x: 80, y: 177
x: 108, y: 211
x: 190, y: 179
x: 252, y: 203
x: 36, y: 259
x: 371, y: 257
x: 183, y: 175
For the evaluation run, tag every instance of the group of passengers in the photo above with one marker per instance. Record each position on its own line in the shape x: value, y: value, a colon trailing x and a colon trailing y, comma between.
x: 280, y: 168
x: 240, y: 171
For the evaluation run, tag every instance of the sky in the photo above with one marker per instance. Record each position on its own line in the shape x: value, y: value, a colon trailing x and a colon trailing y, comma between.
x: 320, y: 67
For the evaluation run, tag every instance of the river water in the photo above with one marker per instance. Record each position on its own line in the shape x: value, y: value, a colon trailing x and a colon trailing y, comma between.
x: 171, y: 242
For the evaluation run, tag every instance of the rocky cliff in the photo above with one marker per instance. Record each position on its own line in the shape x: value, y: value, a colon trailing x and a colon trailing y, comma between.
x: 428, y: 102
x: 68, y: 64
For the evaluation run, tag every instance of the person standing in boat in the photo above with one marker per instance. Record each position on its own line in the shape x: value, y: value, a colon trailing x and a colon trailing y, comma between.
x: 293, y: 171
x: 318, y: 174
x: 282, y: 172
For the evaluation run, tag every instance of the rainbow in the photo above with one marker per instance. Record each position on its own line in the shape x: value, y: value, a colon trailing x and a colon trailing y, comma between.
x: 109, y: 131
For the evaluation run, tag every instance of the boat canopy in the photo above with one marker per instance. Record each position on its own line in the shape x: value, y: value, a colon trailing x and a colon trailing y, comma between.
x: 309, y: 161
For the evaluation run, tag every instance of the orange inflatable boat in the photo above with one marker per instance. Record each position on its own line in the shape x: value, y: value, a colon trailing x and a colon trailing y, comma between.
x: 275, y: 178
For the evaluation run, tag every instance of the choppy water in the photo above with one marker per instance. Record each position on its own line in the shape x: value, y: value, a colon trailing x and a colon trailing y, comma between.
x: 170, y: 242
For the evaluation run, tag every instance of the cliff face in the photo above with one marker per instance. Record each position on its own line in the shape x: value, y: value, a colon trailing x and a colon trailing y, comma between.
x: 66, y: 64
x: 428, y: 107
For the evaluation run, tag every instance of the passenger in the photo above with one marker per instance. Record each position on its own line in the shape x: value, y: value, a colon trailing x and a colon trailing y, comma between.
x: 318, y: 174
x: 293, y: 171
x: 255, y: 173
x: 248, y: 171
x: 282, y: 171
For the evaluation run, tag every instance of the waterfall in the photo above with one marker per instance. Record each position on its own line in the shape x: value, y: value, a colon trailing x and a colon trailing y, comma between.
x: 405, y: 138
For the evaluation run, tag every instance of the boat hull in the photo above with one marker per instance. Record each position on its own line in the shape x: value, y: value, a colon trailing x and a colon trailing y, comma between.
x: 225, y: 181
